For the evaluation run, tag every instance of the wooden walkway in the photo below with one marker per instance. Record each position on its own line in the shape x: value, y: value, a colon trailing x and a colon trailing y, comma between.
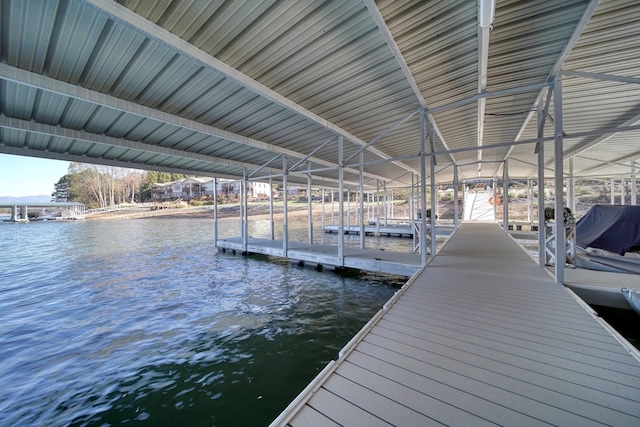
x: 482, y: 336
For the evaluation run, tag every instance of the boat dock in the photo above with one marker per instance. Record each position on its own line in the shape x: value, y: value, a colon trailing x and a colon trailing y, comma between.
x: 601, y: 287
x: 389, y: 230
x: 404, y: 264
x: 482, y: 336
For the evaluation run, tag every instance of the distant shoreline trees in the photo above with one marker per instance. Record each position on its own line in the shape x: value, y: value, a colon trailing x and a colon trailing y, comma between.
x: 99, y: 186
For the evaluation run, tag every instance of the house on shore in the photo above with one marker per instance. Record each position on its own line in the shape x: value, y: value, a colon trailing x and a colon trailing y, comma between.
x: 194, y: 187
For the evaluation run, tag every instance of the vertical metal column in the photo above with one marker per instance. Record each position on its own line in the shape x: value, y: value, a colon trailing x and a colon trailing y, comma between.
x: 542, y: 256
x: 285, y: 225
x: 245, y: 212
x: 322, y: 214
x: 412, y: 214
x: 348, y: 208
x: 634, y: 184
x: 434, y: 194
x: 310, y: 208
x: 571, y: 194
x: 622, y: 198
x: 332, y: 206
x: 215, y: 211
x: 361, y: 183
x: 612, y: 200
x: 340, y: 202
x: 411, y: 199
x: 385, y: 202
x: 455, y: 197
x: 560, y: 248
x: 494, y: 185
x: 422, y: 240
x: 505, y: 195
x: 529, y: 201
x: 271, y: 223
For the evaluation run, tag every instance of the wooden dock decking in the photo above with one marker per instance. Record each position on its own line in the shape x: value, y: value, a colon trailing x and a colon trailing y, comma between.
x: 482, y: 336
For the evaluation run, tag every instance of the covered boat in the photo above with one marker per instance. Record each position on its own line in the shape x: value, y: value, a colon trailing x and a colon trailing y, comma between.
x: 610, y: 239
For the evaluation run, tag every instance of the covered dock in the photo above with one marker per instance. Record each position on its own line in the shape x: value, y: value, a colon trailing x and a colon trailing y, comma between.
x: 482, y: 336
x: 367, y: 97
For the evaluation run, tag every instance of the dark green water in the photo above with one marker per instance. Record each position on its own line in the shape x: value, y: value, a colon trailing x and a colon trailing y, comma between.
x: 142, y: 322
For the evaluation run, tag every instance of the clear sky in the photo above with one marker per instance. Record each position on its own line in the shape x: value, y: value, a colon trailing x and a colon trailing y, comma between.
x: 29, y: 176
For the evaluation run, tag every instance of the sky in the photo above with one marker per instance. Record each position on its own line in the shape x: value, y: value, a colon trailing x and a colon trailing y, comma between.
x: 29, y: 176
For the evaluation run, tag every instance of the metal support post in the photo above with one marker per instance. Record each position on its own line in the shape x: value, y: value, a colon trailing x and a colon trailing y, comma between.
x: 422, y: 240
x: 285, y: 225
x: 559, y: 185
x: 215, y: 211
x: 529, y: 201
x: 340, y: 202
x: 571, y: 194
x: 322, y: 214
x: 271, y: 223
x: 332, y: 206
x: 385, y: 202
x: 634, y: 184
x: 361, y: 183
x: 505, y: 195
x: 310, y: 207
x: 455, y: 197
x: 348, y: 208
x: 434, y: 194
x: 494, y: 185
x: 612, y: 199
x: 541, y: 225
x: 245, y: 213
x: 622, y: 191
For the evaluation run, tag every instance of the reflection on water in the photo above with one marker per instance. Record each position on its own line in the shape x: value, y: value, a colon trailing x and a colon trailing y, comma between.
x: 106, y: 322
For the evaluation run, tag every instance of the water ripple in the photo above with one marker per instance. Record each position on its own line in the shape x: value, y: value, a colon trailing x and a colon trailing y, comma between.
x: 106, y: 322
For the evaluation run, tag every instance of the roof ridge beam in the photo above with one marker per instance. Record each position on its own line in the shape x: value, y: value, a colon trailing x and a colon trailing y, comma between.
x: 125, y: 16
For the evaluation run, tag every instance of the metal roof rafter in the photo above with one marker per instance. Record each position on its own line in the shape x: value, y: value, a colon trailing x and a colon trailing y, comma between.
x: 48, y: 84
x: 557, y: 68
x: 58, y: 131
x: 377, y: 17
x: 101, y: 161
x: 125, y: 16
x: 601, y: 76
x: 382, y: 134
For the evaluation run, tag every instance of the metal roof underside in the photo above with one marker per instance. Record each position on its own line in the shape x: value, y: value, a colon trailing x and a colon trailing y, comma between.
x: 222, y: 88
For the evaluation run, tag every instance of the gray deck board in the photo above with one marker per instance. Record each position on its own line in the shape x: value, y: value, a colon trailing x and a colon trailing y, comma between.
x: 482, y: 336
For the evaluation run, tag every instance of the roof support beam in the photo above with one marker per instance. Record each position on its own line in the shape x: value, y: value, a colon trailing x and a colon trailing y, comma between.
x: 48, y: 84
x: 60, y: 132
x: 395, y: 50
x: 587, y: 145
x: 601, y: 76
x: 124, y: 16
x: 382, y: 134
x: 17, y: 151
x: 490, y: 94
x: 556, y: 70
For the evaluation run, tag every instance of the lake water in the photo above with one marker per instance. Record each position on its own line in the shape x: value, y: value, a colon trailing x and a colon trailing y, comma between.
x: 144, y: 322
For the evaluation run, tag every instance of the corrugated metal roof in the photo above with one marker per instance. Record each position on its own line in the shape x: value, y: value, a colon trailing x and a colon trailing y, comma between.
x: 217, y: 87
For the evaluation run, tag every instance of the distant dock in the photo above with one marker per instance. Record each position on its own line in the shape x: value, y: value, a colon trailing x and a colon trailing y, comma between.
x: 44, y: 211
